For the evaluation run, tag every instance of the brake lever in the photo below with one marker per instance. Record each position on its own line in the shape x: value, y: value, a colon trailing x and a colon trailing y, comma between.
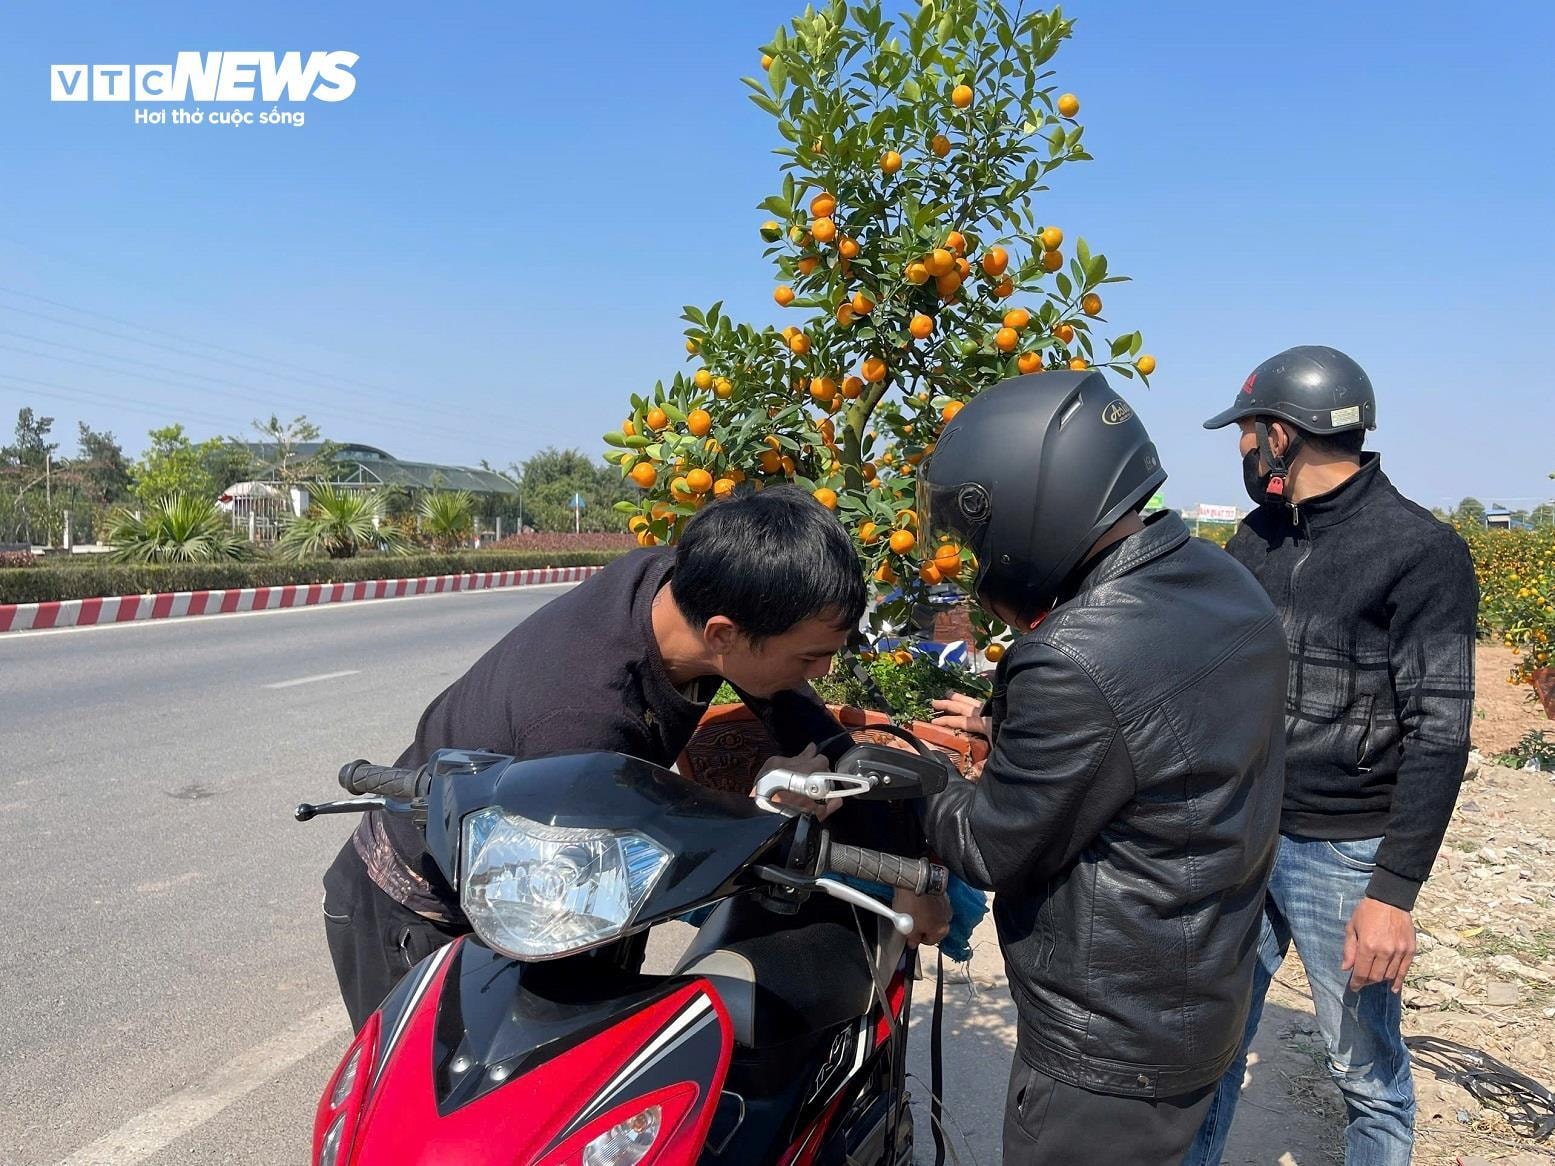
x: 900, y: 920
x: 307, y: 811
x: 820, y: 787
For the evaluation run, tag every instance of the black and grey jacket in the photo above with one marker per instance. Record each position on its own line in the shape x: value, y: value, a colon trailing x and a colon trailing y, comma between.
x: 1379, y: 599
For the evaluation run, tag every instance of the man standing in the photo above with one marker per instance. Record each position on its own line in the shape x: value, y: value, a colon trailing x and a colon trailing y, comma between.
x: 1379, y: 601
x: 1126, y: 818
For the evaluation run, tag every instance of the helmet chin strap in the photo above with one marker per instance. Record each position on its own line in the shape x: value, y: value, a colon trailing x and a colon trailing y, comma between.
x: 1279, y: 468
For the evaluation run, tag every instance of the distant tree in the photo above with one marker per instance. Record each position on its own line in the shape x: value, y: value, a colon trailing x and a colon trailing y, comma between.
x: 1542, y: 515
x: 285, y: 459
x: 551, y: 477
x: 100, y: 466
x: 174, y: 465
x: 1470, y: 512
x: 32, y: 448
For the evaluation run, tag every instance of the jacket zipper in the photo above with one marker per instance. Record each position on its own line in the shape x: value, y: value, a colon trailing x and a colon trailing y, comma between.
x: 1305, y: 554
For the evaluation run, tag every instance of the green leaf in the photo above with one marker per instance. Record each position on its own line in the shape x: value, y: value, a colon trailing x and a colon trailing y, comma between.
x: 777, y: 76
x: 776, y: 206
x: 626, y: 508
x: 616, y: 438
x: 911, y: 92
x: 1065, y: 288
x: 766, y: 103
x: 1084, y: 254
x: 636, y: 441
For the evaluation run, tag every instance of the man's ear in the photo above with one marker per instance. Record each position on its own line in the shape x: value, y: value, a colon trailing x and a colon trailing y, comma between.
x: 1279, y: 438
x: 721, y: 635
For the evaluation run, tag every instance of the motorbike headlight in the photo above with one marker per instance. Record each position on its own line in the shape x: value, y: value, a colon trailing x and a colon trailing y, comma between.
x: 625, y: 1143
x: 535, y: 892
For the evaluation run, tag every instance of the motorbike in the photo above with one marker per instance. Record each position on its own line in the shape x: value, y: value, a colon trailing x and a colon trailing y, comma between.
x: 780, y: 1036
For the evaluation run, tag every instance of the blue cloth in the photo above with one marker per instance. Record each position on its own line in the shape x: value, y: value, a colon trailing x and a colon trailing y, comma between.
x: 968, y: 905
x: 1314, y: 890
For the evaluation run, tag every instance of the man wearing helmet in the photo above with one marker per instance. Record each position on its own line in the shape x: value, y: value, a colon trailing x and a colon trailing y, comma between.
x: 1126, y: 819
x: 1378, y: 600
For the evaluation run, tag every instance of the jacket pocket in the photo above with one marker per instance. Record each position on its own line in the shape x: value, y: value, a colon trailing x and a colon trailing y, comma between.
x: 334, y: 913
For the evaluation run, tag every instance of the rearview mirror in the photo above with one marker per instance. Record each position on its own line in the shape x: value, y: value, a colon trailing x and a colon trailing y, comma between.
x: 896, y: 773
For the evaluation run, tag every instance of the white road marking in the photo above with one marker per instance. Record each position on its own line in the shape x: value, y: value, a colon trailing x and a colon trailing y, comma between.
x: 148, y: 1132
x: 314, y: 679
x: 311, y: 607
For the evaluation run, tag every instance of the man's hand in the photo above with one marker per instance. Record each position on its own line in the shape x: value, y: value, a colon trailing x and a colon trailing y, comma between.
x: 810, y: 761
x: 930, y: 915
x: 1379, y: 945
x: 963, y: 712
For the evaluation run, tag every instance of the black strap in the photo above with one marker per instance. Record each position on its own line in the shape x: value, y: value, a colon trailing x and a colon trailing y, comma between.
x: 937, y: 1063
x: 1279, y: 468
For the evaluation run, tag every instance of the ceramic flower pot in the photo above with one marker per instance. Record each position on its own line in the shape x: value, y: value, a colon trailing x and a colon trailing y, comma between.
x: 731, y: 745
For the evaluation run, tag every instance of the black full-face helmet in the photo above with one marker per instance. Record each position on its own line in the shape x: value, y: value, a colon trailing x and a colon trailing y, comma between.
x: 1029, y: 475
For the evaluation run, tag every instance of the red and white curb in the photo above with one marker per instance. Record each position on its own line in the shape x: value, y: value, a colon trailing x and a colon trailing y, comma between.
x: 66, y: 613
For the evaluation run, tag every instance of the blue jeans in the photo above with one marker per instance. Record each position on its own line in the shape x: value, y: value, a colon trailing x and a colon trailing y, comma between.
x: 1315, y: 887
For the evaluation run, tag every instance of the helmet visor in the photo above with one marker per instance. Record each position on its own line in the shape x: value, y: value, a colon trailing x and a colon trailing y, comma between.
x: 956, y: 516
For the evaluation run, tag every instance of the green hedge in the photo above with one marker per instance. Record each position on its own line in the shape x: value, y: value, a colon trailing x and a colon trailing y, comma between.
x: 38, y: 584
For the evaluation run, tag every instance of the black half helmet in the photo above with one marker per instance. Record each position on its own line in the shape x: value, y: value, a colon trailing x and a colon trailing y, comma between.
x: 1029, y: 475
x: 1315, y: 388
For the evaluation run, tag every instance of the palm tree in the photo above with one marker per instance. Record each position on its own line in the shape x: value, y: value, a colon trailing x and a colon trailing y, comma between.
x: 339, y: 524
x: 447, y: 518
x: 178, y: 528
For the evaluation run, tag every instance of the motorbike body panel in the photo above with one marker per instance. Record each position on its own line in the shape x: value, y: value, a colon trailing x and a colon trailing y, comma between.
x: 473, y: 1071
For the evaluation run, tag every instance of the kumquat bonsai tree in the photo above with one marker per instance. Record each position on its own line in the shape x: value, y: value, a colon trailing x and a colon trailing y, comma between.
x: 906, y: 246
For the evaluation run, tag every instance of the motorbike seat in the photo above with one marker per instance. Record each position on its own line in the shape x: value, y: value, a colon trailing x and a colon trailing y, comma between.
x: 781, y: 976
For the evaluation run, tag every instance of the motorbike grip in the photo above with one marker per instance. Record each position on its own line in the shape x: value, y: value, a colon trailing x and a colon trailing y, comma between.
x: 389, y: 781
x: 911, y: 874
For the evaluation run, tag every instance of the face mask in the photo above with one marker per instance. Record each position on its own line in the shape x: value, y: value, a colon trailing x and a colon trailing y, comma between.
x: 1257, y: 484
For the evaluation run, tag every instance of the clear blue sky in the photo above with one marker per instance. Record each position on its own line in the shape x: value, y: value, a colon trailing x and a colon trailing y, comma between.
x: 487, y: 246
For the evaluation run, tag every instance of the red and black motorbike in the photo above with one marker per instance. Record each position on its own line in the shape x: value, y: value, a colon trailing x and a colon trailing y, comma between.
x: 537, y: 1041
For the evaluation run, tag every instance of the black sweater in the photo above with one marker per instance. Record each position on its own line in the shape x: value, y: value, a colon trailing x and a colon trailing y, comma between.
x: 583, y: 672
x: 1379, y: 600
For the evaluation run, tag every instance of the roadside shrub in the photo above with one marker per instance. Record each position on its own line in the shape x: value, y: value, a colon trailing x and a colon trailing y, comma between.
x: 40, y: 584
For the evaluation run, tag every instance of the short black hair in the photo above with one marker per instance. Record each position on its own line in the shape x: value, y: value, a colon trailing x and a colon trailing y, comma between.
x: 768, y: 560
x: 1345, y: 443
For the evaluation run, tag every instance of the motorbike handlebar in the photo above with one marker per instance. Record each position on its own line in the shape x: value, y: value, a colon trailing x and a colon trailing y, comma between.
x: 389, y: 781
x: 918, y: 875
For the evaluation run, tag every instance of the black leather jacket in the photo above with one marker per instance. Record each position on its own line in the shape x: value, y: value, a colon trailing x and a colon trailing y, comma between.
x: 1127, y: 817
